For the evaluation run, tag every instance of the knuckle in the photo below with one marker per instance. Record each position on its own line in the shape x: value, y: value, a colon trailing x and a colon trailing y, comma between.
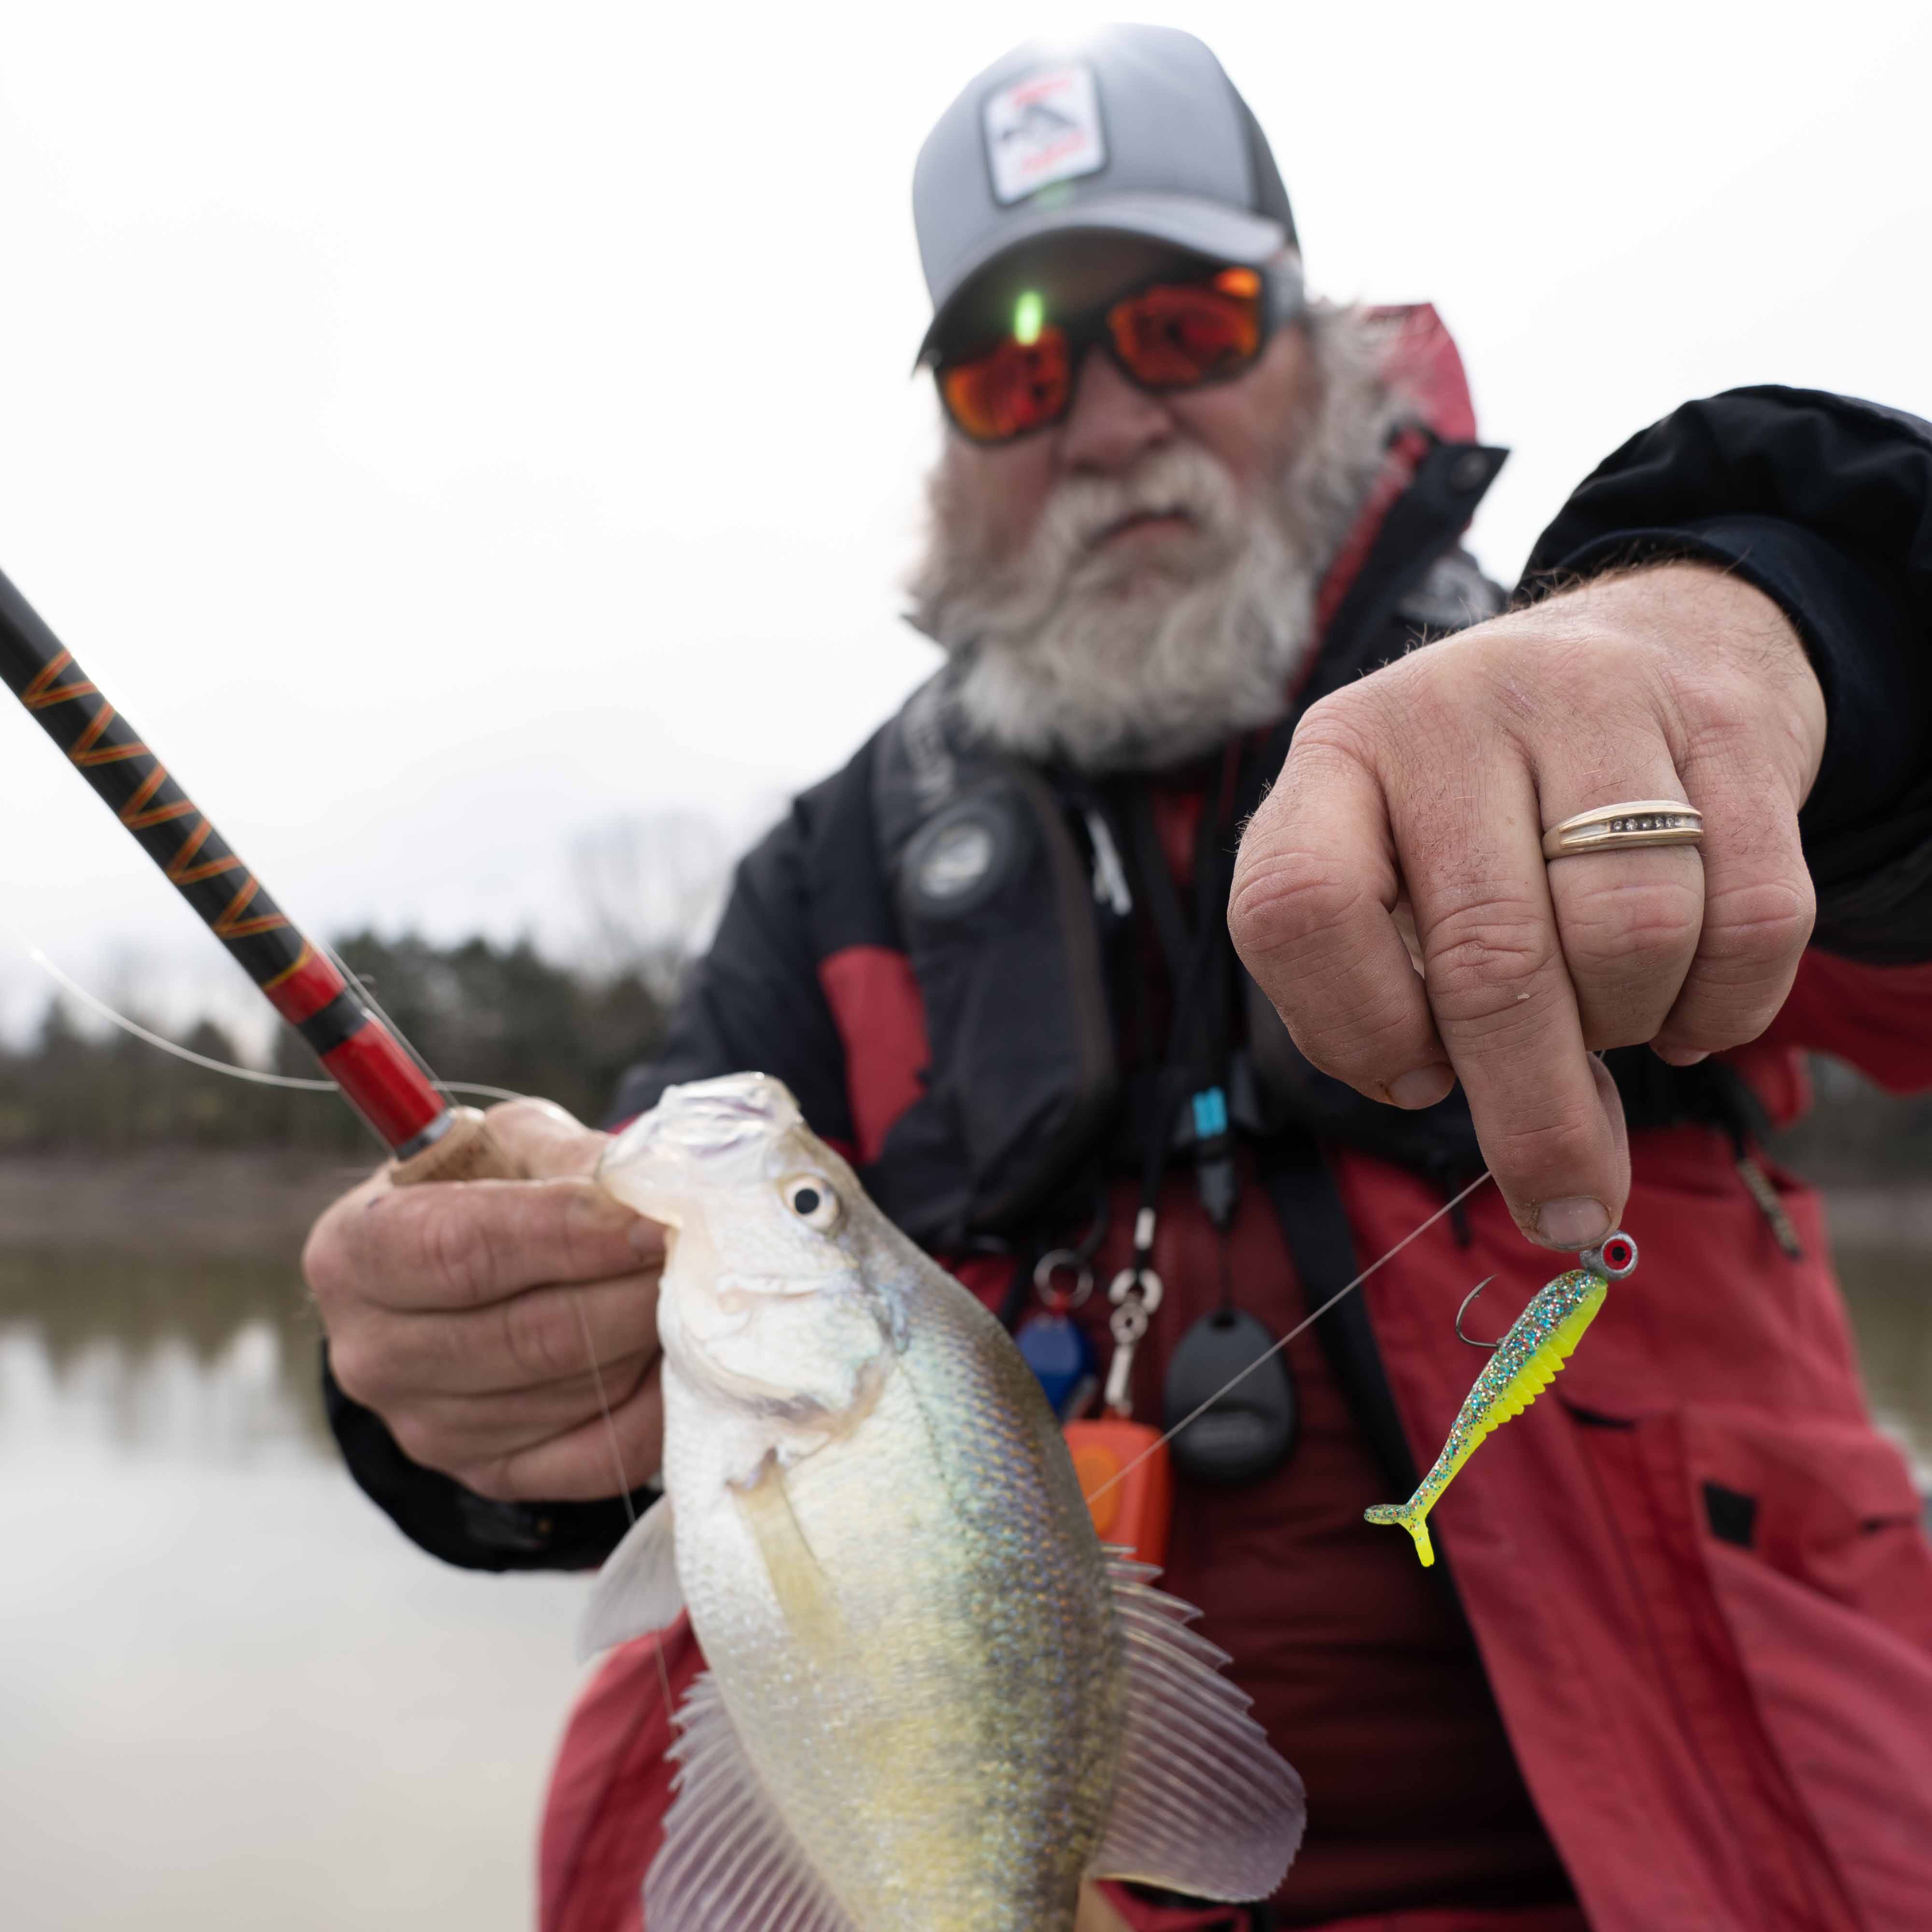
x: 490, y: 1479
x: 1346, y: 725
x: 331, y: 1254
x: 527, y: 1110
x: 419, y: 1439
x: 1769, y: 920
x: 1484, y: 962
x: 458, y: 1250
x: 1565, y: 1143
x: 1633, y: 925
x: 540, y: 1344
x: 1285, y: 898
x: 324, y: 1266
x: 356, y: 1368
x: 1367, y: 1048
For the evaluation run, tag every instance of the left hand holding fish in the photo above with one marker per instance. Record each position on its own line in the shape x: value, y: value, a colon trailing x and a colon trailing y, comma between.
x: 1429, y: 786
x: 459, y: 1312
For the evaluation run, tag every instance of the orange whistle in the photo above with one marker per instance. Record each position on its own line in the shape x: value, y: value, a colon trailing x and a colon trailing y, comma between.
x: 1133, y: 1513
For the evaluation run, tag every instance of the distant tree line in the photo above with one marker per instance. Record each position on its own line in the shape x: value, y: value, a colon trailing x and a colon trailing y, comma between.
x: 503, y: 1016
x: 507, y: 1017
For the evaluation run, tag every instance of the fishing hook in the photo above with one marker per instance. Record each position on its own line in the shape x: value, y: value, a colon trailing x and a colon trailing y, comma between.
x: 1464, y: 1309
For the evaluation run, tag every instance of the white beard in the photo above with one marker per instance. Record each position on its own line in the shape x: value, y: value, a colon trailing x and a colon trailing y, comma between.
x: 1134, y: 661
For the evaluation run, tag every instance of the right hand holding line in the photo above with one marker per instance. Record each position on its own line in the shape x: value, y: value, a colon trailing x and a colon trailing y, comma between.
x: 457, y: 1311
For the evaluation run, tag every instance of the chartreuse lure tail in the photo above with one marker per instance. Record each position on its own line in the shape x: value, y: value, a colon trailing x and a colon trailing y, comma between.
x: 1526, y: 1361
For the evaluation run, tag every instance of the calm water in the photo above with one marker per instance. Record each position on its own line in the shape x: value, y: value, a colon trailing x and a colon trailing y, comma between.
x: 231, y: 1694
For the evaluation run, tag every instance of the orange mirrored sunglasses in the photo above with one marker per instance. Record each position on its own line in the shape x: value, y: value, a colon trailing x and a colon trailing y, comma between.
x: 1167, y: 335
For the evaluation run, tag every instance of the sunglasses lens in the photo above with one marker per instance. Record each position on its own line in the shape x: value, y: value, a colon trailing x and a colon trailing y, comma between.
x: 1176, y: 334
x: 1009, y: 390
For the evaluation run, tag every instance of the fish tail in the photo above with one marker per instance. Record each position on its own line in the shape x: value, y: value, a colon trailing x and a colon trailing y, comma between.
x: 1414, y: 1519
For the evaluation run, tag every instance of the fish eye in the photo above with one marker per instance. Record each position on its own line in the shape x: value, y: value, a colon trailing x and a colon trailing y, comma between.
x: 812, y: 1199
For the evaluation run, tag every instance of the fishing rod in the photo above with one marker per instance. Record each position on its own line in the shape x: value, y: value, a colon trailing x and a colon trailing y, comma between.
x: 378, y: 1075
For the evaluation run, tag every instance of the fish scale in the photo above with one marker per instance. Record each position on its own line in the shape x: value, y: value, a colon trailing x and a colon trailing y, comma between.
x: 935, y: 1703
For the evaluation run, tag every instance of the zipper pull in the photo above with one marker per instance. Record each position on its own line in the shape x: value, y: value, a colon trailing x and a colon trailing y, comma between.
x: 1757, y: 1185
x: 1136, y: 1293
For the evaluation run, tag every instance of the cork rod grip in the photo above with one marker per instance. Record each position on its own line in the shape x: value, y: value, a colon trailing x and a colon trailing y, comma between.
x: 468, y: 1151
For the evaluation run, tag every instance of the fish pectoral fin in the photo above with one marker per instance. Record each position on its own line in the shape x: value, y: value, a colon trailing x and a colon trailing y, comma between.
x: 1229, y: 1832
x: 637, y: 1589
x: 729, y: 1861
x: 798, y: 1579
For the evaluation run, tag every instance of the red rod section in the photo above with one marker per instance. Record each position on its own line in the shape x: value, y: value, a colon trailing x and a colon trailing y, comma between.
x: 380, y: 1077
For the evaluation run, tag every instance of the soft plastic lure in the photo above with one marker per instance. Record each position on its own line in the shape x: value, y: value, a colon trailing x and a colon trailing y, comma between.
x: 1526, y: 1361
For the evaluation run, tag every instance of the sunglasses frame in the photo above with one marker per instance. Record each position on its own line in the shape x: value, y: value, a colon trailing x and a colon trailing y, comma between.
x: 1284, y: 298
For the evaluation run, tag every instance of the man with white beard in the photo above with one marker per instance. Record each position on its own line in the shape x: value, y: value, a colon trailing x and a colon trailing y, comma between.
x: 1131, y: 610
x: 1186, y: 530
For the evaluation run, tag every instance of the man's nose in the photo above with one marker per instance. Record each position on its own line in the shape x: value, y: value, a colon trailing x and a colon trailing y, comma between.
x: 1111, y: 424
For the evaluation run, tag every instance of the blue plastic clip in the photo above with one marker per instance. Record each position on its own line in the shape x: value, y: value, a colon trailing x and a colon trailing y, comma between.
x: 1211, y: 1114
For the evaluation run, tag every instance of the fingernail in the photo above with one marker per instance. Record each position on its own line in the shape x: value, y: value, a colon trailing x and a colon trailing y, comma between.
x: 1676, y: 1056
x: 1574, y: 1221
x: 646, y: 1238
x: 1421, y: 1086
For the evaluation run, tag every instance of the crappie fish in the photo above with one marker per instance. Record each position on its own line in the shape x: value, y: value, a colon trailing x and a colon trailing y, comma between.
x: 935, y: 1703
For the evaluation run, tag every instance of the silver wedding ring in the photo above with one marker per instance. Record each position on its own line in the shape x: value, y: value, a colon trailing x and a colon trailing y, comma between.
x: 1625, y: 828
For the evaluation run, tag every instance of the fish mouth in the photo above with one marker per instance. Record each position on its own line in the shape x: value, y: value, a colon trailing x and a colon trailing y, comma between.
x: 705, y: 1131
x: 711, y: 1117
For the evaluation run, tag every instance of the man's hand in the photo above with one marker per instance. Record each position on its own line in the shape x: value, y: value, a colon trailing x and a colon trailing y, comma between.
x: 459, y: 1311
x: 1424, y: 791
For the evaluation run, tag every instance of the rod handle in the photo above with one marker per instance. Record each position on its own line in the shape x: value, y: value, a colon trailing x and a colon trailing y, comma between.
x: 466, y: 1151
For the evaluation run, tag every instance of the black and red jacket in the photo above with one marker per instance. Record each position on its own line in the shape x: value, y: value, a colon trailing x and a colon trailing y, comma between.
x: 1697, y: 1581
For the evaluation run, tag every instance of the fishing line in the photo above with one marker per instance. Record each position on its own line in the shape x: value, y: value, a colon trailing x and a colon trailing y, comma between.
x: 255, y: 1075
x: 604, y: 1403
x: 1341, y: 1294
x: 369, y: 999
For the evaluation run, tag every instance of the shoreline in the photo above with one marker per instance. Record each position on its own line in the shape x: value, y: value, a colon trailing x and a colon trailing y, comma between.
x: 212, y: 1203
x: 234, y: 1204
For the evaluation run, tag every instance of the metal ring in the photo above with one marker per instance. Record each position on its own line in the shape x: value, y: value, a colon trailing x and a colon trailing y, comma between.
x: 1062, y: 1301
x: 1613, y: 1257
x: 1128, y: 1279
x: 1637, y: 822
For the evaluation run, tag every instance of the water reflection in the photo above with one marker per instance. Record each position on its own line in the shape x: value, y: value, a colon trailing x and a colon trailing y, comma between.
x: 231, y: 1693
x: 211, y: 1358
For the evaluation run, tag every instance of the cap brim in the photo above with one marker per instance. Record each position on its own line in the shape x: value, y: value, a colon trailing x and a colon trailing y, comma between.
x: 1184, y: 221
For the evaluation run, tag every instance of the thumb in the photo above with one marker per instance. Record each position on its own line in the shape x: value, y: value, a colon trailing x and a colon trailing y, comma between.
x: 545, y: 1141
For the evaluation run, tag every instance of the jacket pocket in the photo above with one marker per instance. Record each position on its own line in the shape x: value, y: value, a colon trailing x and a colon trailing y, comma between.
x: 1786, y: 1590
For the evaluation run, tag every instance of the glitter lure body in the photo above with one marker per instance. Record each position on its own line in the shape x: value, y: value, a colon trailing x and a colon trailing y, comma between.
x: 1525, y: 1362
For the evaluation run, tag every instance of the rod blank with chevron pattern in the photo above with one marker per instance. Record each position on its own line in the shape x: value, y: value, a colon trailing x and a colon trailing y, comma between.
x: 377, y: 1074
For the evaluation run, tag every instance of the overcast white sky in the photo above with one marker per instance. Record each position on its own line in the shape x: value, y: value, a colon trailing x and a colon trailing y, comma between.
x: 443, y: 429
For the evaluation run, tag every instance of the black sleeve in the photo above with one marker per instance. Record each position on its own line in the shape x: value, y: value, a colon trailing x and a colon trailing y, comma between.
x: 1825, y: 503
x: 437, y: 1513
x: 753, y: 1003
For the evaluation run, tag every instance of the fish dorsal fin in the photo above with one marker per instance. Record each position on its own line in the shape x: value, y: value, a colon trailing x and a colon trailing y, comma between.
x: 1202, y: 1802
x: 728, y: 1863
x: 636, y: 1590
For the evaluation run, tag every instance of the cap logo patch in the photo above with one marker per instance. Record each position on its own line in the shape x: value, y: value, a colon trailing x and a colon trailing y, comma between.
x: 1044, y: 128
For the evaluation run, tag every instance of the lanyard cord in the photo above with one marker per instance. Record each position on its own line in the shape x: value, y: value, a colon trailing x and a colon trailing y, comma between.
x: 1196, y: 1060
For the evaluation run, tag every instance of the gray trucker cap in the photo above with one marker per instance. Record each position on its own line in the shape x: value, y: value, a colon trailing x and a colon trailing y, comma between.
x: 1133, y: 129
